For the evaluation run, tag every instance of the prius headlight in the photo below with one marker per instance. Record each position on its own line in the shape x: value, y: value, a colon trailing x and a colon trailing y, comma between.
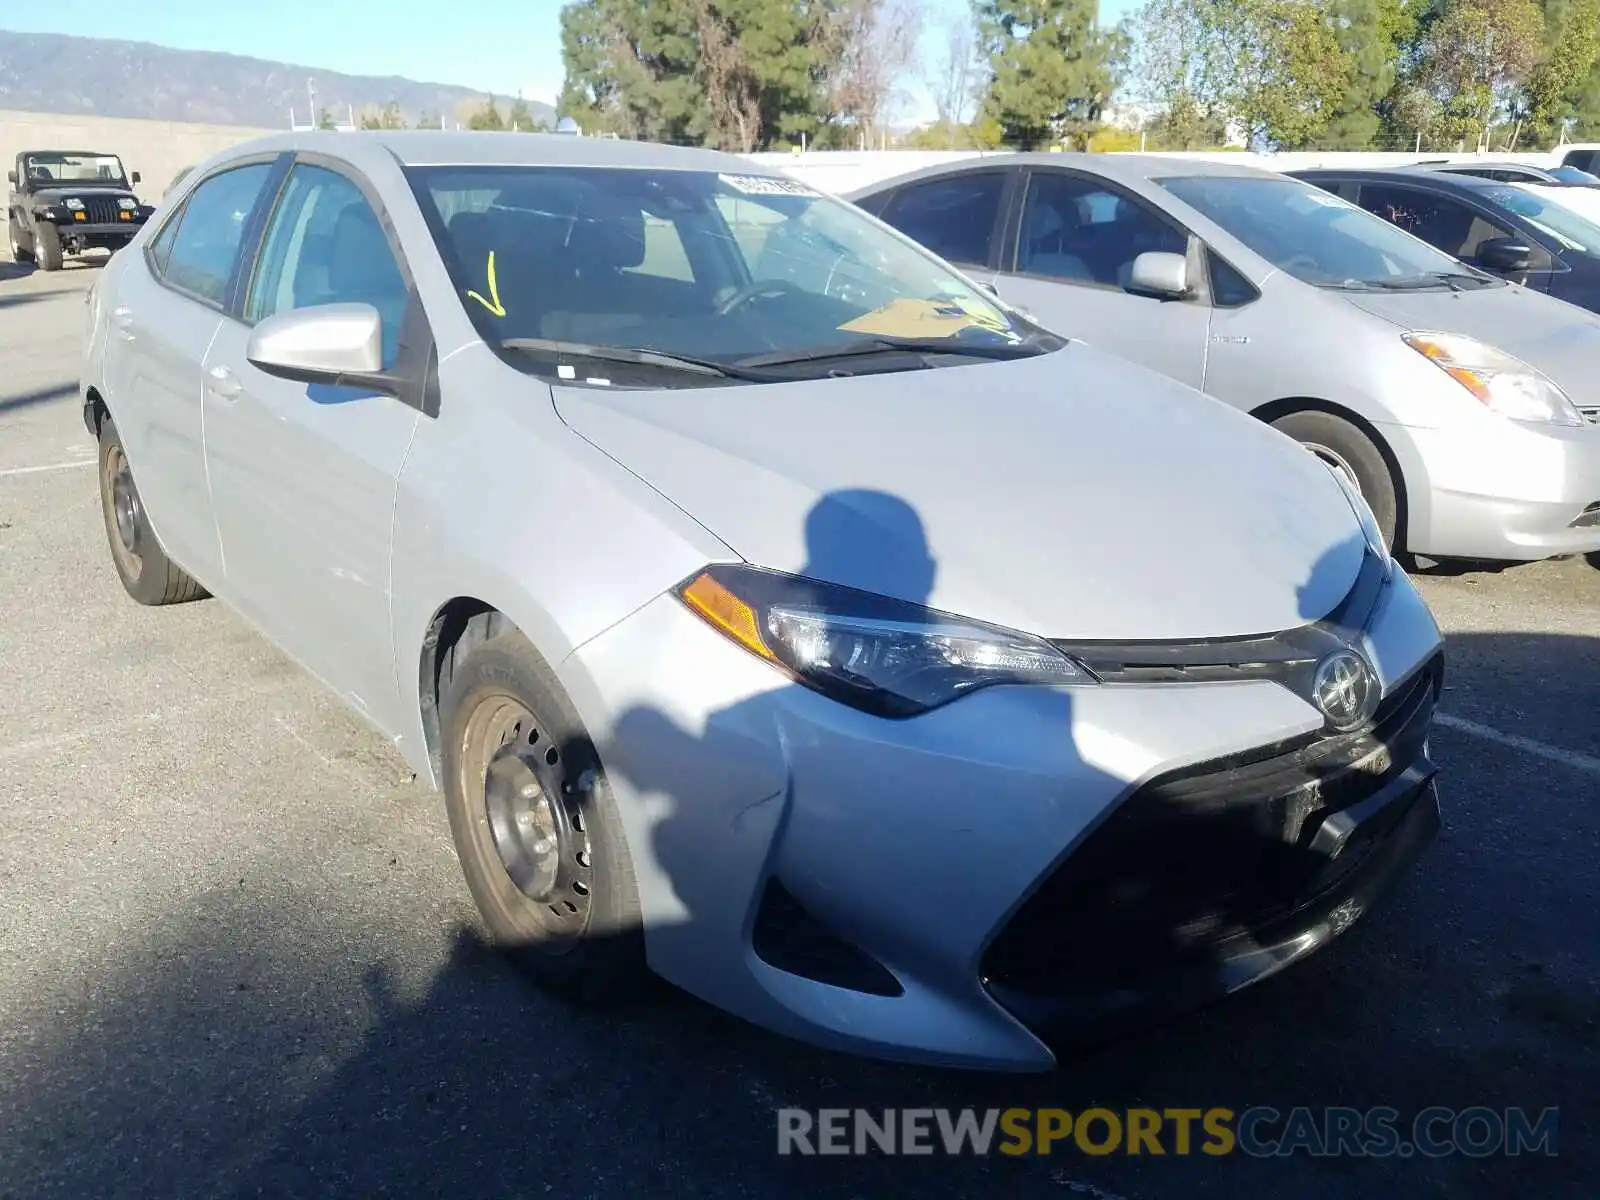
x: 874, y: 653
x: 1369, y: 523
x: 1501, y: 382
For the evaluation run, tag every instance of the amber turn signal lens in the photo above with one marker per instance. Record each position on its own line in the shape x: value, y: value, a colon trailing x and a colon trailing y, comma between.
x: 721, y: 608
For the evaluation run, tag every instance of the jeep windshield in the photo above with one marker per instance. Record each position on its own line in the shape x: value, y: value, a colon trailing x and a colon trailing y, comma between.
x: 62, y: 167
x: 676, y: 277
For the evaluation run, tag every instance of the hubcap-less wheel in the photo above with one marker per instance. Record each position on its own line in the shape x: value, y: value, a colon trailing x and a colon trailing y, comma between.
x: 126, y: 514
x: 534, y: 813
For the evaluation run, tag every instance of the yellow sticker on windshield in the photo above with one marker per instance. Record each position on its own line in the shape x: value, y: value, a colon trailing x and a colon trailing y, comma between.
x: 908, y: 317
x: 493, y: 303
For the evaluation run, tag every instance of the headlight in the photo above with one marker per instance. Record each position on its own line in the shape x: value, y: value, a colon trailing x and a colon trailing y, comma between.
x: 127, y: 204
x: 75, y: 204
x: 1504, y: 384
x: 1368, y: 522
x: 876, y: 654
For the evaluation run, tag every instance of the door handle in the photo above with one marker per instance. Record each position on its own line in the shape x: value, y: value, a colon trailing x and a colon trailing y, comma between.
x: 223, y: 382
x: 122, y: 318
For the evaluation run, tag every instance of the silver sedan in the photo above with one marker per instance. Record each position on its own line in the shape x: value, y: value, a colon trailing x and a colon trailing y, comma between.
x: 774, y: 608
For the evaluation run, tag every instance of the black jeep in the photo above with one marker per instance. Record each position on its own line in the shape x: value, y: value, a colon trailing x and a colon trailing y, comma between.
x: 68, y: 201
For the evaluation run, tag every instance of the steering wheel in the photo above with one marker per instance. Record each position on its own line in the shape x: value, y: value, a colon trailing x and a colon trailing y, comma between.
x: 760, y: 289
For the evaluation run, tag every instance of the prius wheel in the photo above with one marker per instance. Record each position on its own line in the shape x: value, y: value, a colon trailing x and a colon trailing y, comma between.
x: 147, y: 574
x: 534, y: 821
x: 1348, y: 450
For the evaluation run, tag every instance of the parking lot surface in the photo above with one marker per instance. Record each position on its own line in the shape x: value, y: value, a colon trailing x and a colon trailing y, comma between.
x: 237, y: 957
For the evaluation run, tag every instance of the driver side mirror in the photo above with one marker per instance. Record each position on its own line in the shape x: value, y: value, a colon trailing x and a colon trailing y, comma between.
x: 337, y: 344
x: 135, y: 177
x: 1505, y: 254
x: 1159, y: 274
x: 11, y: 176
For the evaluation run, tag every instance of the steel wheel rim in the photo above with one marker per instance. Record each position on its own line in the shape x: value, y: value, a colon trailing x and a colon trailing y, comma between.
x: 126, y: 510
x: 532, y: 813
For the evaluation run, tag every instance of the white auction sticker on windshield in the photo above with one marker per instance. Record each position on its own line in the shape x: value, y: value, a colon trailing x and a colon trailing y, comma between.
x: 767, y: 185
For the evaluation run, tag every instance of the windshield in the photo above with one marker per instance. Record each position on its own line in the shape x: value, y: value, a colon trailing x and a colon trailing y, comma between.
x: 58, y: 167
x: 1550, y: 216
x: 1573, y: 175
x: 1309, y: 233
x: 719, y: 269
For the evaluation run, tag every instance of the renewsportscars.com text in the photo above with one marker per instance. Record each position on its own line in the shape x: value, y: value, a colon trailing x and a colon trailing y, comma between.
x: 1259, y: 1132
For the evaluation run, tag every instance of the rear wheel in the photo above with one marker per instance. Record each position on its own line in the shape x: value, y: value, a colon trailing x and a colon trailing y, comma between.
x: 534, y: 822
x: 1345, y: 448
x: 48, y: 247
x: 147, y: 574
x: 19, y: 252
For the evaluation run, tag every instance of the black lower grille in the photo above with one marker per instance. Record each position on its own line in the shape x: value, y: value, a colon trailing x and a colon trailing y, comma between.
x: 788, y: 937
x: 1197, y: 857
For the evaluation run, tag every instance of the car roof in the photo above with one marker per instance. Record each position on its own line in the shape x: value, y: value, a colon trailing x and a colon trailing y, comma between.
x: 1448, y: 166
x: 74, y: 153
x: 433, y: 147
x: 1440, y: 180
x: 1123, y: 168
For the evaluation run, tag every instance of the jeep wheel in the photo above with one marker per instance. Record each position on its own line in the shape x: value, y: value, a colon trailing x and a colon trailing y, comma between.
x: 49, y: 248
x: 19, y: 252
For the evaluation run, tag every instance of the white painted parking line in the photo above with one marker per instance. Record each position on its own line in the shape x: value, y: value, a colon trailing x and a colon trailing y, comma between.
x: 62, y: 466
x: 1587, y: 763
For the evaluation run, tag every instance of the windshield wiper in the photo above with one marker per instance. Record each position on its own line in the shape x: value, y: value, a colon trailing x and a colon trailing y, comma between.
x: 1408, y: 283
x: 887, y: 344
x: 637, y: 356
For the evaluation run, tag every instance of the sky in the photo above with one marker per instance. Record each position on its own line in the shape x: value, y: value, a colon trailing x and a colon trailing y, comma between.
x: 500, y: 46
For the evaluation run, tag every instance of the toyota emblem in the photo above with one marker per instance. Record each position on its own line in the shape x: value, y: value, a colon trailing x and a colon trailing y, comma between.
x: 1345, y: 690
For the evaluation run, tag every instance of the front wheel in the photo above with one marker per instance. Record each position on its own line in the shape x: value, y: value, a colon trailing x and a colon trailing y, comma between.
x: 47, y: 244
x: 147, y: 574
x: 1346, y: 449
x: 534, y: 822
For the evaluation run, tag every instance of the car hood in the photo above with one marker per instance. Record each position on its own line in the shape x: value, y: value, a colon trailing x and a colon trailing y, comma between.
x: 53, y: 195
x: 1071, y: 495
x: 1558, y: 338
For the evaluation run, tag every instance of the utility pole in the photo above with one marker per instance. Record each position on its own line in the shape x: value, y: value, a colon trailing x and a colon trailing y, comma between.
x: 311, y: 94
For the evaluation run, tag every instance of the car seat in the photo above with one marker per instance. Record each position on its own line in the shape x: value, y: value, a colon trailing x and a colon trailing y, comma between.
x: 362, y: 270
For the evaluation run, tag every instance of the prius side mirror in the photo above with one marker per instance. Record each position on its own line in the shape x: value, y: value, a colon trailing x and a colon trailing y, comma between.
x: 338, y: 344
x: 1505, y: 254
x: 1158, y: 274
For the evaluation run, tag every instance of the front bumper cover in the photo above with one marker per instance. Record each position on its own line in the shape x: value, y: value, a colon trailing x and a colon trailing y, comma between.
x: 1211, y: 878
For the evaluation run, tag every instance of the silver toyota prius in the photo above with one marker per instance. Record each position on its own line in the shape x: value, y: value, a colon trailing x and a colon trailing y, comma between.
x: 1466, y: 408
x: 773, y: 608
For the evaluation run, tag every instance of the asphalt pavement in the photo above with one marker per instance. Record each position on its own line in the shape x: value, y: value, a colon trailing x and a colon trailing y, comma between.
x: 237, y: 957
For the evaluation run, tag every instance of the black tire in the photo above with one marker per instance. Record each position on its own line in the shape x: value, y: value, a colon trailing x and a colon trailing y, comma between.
x: 19, y: 252
x: 573, y: 922
x: 47, y: 248
x: 147, y: 574
x: 1337, y: 441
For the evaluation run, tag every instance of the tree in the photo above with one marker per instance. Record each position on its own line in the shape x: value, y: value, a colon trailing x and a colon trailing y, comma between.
x: 325, y: 120
x: 1170, y: 68
x: 387, y: 117
x: 487, y: 116
x: 867, y: 47
x: 1473, y: 56
x: 1052, y: 70
x: 1556, y: 86
x: 522, y: 119
x: 953, y: 72
x: 1370, y: 33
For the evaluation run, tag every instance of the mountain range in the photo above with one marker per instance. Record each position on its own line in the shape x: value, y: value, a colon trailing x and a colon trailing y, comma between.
x: 84, y: 76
